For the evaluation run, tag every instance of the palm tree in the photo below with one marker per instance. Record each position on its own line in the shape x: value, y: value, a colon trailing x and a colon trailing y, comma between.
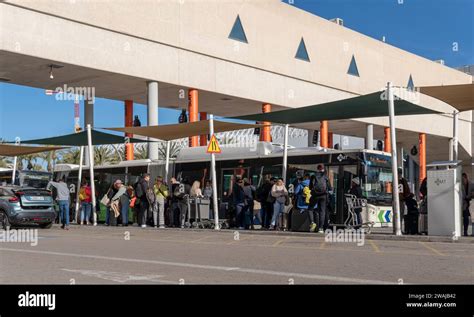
x: 31, y: 160
x: 103, y: 154
x: 50, y: 158
x: 70, y: 156
x: 141, y: 151
x: 175, y: 147
x: 5, y: 162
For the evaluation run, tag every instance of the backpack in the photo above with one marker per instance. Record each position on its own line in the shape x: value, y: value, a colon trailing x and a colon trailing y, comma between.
x: 320, y: 186
x: 138, y: 189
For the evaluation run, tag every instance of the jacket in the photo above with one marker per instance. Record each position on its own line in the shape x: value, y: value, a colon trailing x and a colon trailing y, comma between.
x: 300, y: 197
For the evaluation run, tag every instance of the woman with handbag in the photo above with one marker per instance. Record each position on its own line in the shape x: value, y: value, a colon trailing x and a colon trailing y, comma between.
x: 85, y: 197
x: 280, y: 193
x: 120, y: 203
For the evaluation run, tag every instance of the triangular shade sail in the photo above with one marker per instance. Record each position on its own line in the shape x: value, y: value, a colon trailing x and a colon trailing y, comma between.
x: 80, y: 139
x: 16, y: 150
x: 182, y: 130
x: 460, y: 97
x: 371, y: 105
x: 353, y: 70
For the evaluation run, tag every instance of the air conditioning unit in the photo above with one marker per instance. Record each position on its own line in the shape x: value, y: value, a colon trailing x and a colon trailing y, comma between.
x: 439, y: 61
x: 338, y: 21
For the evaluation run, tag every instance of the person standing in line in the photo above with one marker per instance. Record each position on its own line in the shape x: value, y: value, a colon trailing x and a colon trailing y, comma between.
x: 123, y: 199
x: 85, y: 197
x: 63, y: 201
x: 467, y: 189
x: 280, y: 193
x: 207, y: 193
x: 174, y: 208
x: 321, y: 191
x: 182, y: 193
x: 161, y: 193
x: 356, y: 190
x: 142, y: 190
x: 249, y: 196
x: 302, y: 197
x: 238, y: 200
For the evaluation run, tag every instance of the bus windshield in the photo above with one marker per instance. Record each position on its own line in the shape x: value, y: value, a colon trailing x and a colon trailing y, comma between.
x: 378, y: 186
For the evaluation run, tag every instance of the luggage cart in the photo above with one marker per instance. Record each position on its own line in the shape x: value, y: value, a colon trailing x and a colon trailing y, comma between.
x: 351, y: 222
x: 199, y: 209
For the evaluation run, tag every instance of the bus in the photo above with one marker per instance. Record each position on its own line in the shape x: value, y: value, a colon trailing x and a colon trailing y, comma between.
x: 373, y: 168
x: 25, y: 178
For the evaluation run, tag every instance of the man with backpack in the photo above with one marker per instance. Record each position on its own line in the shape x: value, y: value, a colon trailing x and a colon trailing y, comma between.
x: 181, y: 194
x: 319, y: 195
x: 302, y: 198
x: 144, y: 192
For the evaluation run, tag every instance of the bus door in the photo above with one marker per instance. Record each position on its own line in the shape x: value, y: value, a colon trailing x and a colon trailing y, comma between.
x: 341, y: 182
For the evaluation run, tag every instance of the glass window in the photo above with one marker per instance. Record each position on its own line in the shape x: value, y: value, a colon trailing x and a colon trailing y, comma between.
x: 302, y: 53
x: 410, y: 85
x: 353, y: 70
x: 237, y: 32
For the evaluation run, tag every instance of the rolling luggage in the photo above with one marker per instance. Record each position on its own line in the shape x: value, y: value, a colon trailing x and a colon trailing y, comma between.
x: 299, y: 221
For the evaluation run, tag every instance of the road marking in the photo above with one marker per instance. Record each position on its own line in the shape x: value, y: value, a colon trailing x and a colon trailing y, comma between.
x: 207, y: 267
x: 120, y: 277
x: 277, y: 243
x: 376, y: 248
x: 200, y: 239
x: 432, y: 249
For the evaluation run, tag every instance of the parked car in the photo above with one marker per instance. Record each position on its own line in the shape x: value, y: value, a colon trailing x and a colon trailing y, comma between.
x: 22, y: 206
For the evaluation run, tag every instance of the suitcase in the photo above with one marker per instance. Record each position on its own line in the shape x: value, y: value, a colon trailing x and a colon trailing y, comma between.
x: 299, y: 221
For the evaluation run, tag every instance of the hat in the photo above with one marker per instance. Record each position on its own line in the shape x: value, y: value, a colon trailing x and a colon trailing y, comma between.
x: 356, y: 180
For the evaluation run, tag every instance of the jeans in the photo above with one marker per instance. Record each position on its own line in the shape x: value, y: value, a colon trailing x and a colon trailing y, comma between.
x: 321, y: 211
x: 86, y: 212
x: 267, y: 213
x: 240, y: 215
x: 159, y: 212
x: 142, y: 215
x: 124, y: 213
x: 107, y: 216
x: 465, y: 219
x: 64, y: 212
x: 278, y: 208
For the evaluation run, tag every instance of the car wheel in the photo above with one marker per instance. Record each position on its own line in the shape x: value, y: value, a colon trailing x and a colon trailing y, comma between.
x: 46, y: 225
x: 4, y: 221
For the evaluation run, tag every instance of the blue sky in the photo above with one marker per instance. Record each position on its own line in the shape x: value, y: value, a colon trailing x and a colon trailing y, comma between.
x: 425, y: 27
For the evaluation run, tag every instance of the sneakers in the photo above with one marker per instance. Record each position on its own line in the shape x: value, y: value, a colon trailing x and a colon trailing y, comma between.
x: 95, y: 224
x: 312, y: 228
x: 162, y: 227
x: 320, y: 230
x: 155, y: 227
x: 143, y: 226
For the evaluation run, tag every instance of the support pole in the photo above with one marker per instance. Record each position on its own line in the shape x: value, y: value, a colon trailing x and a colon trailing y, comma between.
x: 455, y: 135
x: 396, y: 199
x: 214, y: 178
x: 15, y: 161
x: 167, y: 166
x: 91, y: 171
x: 79, y: 177
x: 369, y: 139
x: 285, y: 154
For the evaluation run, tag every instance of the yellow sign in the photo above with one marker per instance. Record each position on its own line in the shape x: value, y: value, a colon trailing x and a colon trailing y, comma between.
x: 213, y: 146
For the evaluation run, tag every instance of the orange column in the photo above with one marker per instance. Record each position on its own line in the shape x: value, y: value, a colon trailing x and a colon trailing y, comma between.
x: 265, y: 134
x: 330, y: 143
x: 387, y: 144
x: 128, y: 123
x: 422, y: 153
x: 203, y: 138
x: 324, y: 137
x: 193, y: 108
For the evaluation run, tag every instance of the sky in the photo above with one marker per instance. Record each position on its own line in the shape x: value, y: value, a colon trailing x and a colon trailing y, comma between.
x: 430, y: 28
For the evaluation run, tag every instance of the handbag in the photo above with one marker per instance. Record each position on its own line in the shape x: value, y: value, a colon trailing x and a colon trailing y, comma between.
x: 115, y: 206
x: 105, y: 199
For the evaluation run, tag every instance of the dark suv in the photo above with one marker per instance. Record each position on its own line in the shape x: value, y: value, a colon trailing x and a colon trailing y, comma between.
x: 26, y: 206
